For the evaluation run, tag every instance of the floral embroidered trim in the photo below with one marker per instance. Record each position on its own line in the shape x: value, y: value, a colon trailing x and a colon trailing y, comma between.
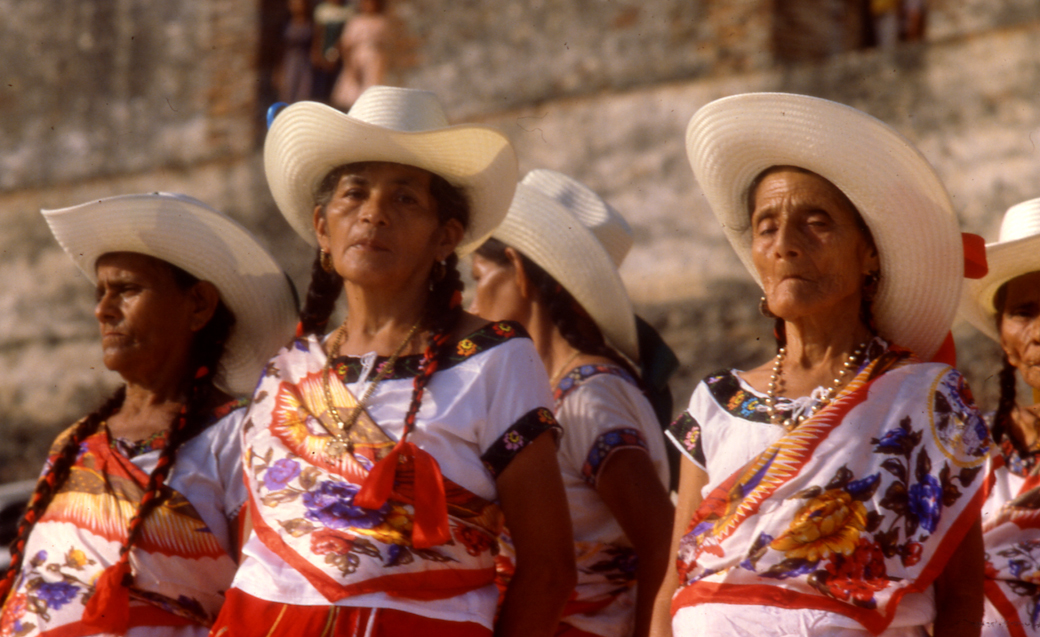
x: 726, y: 390
x: 522, y: 433
x: 155, y: 442
x: 349, y: 367
x: 1015, y: 463
x: 605, y: 445
x: 579, y: 375
x: 686, y: 433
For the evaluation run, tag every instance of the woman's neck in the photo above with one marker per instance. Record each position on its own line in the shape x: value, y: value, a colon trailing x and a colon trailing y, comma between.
x: 815, y: 353
x: 146, y: 411
x: 1025, y: 425
x: 379, y: 322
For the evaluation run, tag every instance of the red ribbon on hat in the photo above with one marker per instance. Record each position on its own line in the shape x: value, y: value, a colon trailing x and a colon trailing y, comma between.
x: 430, y: 527
x: 108, y: 610
x: 975, y: 265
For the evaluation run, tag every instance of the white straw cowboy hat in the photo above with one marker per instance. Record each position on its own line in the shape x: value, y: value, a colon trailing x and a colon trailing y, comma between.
x: 900, y: 197
x: 1016, y: 252
x: 208, y: 245
x: 580, y: 240
x: 387, y: 124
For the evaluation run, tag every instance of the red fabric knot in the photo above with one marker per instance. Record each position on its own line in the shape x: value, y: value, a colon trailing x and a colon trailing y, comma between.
x: 975, y: 266
x: 108, y: 609
x: 430, y: 526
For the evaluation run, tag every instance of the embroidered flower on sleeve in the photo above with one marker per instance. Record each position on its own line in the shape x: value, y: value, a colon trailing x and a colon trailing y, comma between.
x: 513, y: 440
x: 475, y: 541
x: 466, y: 347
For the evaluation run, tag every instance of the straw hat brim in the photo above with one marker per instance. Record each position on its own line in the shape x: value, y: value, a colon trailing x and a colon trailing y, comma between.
x: 187, y: 233
x: 1006, y: 261
x: 551, y: 236
x: 307, y: 140
x: 900, y: 197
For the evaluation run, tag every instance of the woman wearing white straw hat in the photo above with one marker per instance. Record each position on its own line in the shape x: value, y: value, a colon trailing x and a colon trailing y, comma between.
x: 834, y: 489
x: 134, y: 527
x: 1005, y: 305
x: 552, y: 266
x: 382, y: 458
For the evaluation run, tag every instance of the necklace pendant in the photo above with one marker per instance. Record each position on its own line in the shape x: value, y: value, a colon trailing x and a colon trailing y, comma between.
x: 337, y: 447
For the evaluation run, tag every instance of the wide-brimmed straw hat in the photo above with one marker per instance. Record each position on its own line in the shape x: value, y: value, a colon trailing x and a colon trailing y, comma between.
x: 208, y: 245
x: 1016, y: 252
x: 403, y: 126
x: 580, y: 240
x: 900, y: 197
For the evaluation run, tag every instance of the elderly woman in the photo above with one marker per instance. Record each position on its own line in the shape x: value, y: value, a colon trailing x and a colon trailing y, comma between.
x: 381, y: 458
x: 834, y: 489
x: 1005, y: 305
x: 552, y: 267
x: 134, y: 525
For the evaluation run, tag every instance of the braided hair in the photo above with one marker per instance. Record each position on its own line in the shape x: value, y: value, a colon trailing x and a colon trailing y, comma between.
x: 1008, y: 387
x: 567, y: 315
x: 207, y: 350
x: 443, y: 309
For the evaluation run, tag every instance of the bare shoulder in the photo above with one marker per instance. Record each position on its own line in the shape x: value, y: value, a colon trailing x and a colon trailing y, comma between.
x: 758, y: 377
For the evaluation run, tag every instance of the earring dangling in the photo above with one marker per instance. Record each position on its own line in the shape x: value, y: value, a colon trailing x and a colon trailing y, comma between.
x: 763, y: 309
x: 325, y: 259
x: 871, y: 281
x: 439, y: 271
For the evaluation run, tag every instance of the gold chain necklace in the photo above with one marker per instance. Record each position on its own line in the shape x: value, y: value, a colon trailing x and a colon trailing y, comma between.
x: 828, y: 395
x: 340, y: 442
x: 562, y: 370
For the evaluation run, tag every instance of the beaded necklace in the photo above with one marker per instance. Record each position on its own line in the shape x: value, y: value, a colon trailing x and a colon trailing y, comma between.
x: 828, y: 395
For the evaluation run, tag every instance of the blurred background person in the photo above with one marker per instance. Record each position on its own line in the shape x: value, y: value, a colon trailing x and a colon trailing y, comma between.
x: 364, y: 49
x: 1005, y: 305
x: 552, y: 267
x: 295, y: 74
x: 330, y: 16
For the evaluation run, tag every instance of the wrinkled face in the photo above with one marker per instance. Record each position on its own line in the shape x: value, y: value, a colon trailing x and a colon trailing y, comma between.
x: 147, y: 321
x: 381, y: 227
x: 1020, y: 326
x: 497, y: 296
x: 809, y: 251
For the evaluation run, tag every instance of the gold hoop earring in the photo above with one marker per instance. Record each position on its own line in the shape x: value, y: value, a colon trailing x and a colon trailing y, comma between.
x: 763, y: 309
x: 325, y: 259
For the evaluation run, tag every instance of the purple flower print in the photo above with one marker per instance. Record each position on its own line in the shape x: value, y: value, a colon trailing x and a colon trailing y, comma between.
x: 926, y: 502
x: 57, y: 594
x: 332, y: 504
x: 280, y: 474
x: 514, y: 440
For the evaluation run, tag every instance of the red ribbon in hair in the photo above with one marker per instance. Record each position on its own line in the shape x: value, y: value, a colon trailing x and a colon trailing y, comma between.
x: 430, y: 527
x: 975, y: 266
x: 108, y: 610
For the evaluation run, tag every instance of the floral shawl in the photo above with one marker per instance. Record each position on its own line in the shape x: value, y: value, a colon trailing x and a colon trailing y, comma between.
x: 306, y: 502
x: 856, y: 507
x: 180, y: 568
x: 1011, y: 533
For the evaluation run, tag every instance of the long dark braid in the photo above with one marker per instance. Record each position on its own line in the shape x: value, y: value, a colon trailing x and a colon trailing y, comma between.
x: 322, y: 293
x: 207, y: 350
x: 60, y: 466
x: 1008, y: 387
x: 570, y: 318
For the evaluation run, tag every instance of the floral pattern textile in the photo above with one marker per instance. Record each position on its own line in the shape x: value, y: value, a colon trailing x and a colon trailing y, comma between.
x: 817, y: 527
x: 1011, y: 535
x: 606, y: 444
x: 516, y: 439
x: 180, y: 568
x: 304, y: 494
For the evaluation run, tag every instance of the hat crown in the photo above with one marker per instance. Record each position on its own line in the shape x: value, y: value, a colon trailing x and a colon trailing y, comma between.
x: 1021, y: 221
x: 401, y: 109
x: 598, y: 217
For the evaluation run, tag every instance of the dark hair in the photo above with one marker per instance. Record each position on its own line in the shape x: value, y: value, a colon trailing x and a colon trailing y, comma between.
x: 866, y: 312
x: 207, y: 350
x: 1008, y: 386
x: 443, y: 306
x: 567, y: 315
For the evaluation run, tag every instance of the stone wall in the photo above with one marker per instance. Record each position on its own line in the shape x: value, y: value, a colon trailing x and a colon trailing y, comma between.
x: 118, y: 96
